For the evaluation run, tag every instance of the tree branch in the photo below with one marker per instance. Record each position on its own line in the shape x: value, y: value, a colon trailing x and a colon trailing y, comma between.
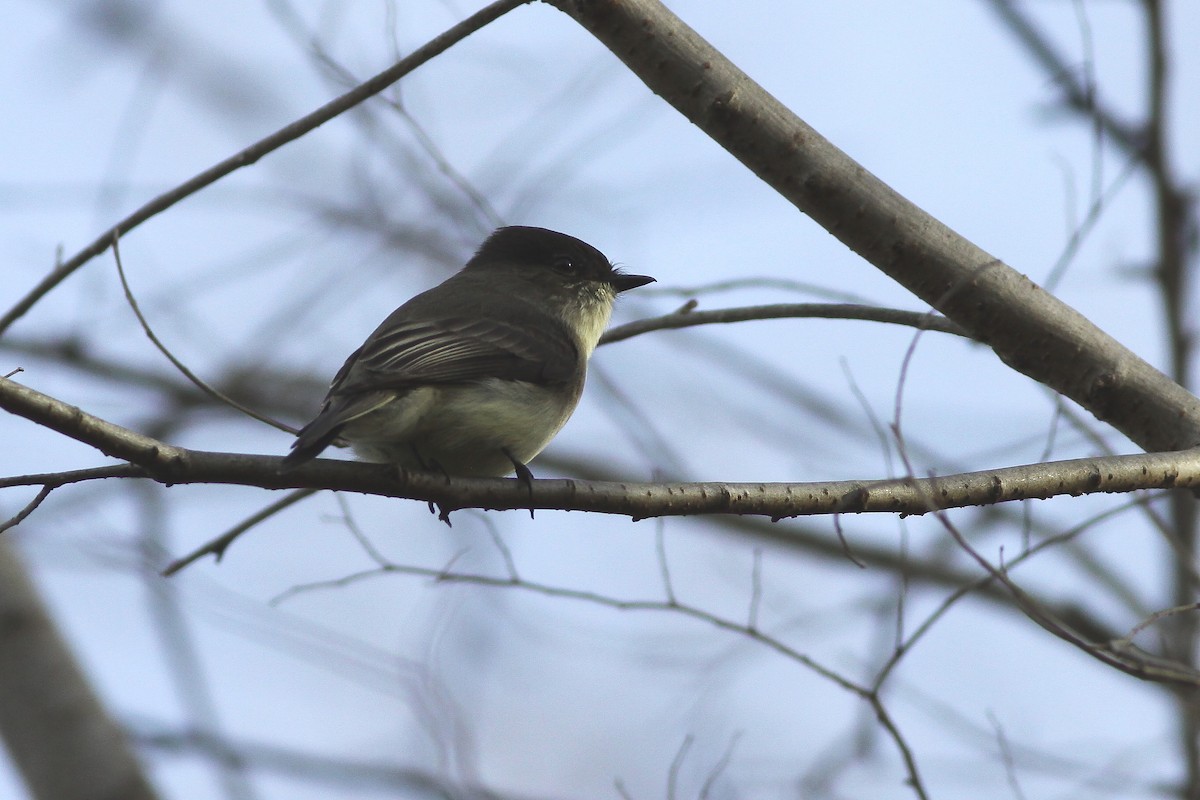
x: 1029, y: 329
x: 61, y: 739
x: 686, y: 317
x: 1077, y: 95
x: 262, y: 147
x: 176, y: 465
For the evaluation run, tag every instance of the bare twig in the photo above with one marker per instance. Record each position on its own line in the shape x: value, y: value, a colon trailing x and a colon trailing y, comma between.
x: 756, y: 589
x: 1154, y: 619
x: 179, y: 365
x: 29, y: 508
x: 254, y: 152
x: 55, y: 479
x: 219, y: 545
x: 719, y: 767
x: 1006, y: 757
x: 446, y: 576
x: 660, y: 550
x: 357, y: 532
x: 676, y: 765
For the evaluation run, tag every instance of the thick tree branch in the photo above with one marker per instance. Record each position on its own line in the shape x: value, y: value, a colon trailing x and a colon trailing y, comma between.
x: 1028, y: 328
x: 60, y: 737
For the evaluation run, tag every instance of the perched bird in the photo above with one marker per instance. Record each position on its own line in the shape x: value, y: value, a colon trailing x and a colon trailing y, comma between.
x: 475, y: 376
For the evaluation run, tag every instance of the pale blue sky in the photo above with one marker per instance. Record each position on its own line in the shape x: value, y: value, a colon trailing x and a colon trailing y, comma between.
x: 525, y: 694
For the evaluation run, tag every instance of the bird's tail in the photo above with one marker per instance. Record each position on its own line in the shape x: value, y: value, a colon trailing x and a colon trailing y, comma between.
x: 312, y: 439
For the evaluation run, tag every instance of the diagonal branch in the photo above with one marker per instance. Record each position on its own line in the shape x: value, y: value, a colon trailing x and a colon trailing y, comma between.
x: 262, y: 147
x: 196, y: 380
x: 1029, y: 329
x: 59, y: 736
x: 1078, y: 95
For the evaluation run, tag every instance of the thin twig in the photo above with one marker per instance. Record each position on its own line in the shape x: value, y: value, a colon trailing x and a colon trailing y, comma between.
x: 755, y: 590
x: 687, y: 318
x: 56, y: 479
x: 254, y: 152
x: 1006, y: 757
x: 29, y: 508
x: 676, y: 765
x: 1155, y: 617
x: 719, y: 767
x: 219, y: 545
x: 444, y: 575
x: 200, y: 384
x: 356, y: 531
x: 660, y: 549
x: 510, y: 563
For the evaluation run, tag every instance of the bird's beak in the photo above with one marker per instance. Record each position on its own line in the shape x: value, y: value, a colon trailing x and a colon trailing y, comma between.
x: 623, y: 283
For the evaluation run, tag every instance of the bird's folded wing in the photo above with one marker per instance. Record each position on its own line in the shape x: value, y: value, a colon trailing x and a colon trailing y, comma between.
x: 457, y: 350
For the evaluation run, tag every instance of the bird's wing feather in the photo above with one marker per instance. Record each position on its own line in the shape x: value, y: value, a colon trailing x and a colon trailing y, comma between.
x: 409, y: 353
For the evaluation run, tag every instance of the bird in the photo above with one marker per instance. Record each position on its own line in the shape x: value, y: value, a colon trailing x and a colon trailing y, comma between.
x: 475, y: 376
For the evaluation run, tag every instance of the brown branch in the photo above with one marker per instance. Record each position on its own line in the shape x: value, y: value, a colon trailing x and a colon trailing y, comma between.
x: 262, y: 147
x: 1029, y: 329
x: 109, y: 438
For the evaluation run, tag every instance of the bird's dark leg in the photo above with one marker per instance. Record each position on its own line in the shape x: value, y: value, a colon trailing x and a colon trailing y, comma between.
x: 432, y: 466
x: 524, y: 476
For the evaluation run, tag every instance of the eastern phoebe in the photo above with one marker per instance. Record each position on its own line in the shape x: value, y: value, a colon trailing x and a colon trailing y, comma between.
x: 475, y: 376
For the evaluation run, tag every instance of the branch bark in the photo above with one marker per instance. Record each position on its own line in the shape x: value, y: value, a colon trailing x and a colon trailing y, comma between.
x: 1029, y: 329
x: 172, y: 465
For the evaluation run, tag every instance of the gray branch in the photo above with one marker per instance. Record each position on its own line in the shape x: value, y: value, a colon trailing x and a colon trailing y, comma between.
x: 1029, y: 329
x: 60, y: 737
x: 169, y: 465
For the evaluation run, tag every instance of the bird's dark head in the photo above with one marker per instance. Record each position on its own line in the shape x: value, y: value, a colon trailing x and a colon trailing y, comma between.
x: 541, y: 251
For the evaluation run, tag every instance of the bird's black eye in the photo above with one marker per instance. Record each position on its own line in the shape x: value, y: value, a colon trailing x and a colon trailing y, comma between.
x: 566, y: 265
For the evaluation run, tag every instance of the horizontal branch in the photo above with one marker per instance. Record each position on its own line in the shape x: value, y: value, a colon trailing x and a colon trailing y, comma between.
x: 687, y: 317
x: 175, y: 465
